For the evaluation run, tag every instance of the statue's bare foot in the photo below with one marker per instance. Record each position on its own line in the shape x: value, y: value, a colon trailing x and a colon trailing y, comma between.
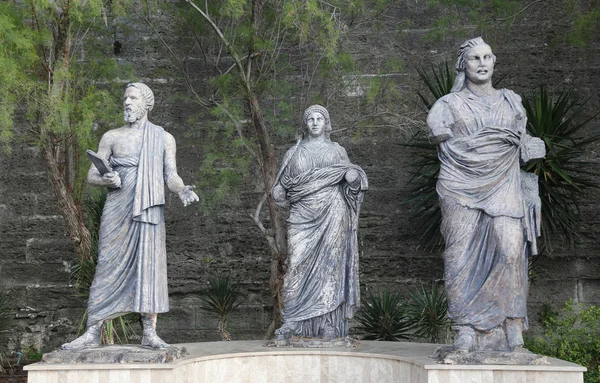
x: 152, y: 340
x: 286, y: 331
x: 465, y: 340
x: 329, y: 333
x: 91, y: 338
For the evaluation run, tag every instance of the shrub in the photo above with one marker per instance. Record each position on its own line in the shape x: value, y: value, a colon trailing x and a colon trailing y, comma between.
x: 573, y: 334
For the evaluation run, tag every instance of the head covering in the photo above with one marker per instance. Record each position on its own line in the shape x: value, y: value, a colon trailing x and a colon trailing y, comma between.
x: 461, y: 62
x: 146, y: 93
x: 315, y: 108
x: 318, y: 109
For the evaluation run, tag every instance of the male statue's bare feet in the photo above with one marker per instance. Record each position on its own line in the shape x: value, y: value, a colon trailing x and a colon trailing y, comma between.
x: 91, y: 338
x: 150, y: 338
x: 465, y: 339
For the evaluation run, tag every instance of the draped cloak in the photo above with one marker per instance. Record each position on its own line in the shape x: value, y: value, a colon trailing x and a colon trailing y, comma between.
x: 480, y: 182
x: 131, y: 275
x: 321, y: 283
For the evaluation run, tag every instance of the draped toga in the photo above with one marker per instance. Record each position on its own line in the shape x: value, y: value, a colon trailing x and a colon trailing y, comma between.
x: 490, y: 208
x: 321, y: 287
x: 131, y: 275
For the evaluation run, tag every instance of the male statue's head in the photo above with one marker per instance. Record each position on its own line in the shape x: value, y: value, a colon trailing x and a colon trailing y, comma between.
x: 315, y: 121
x: 137, y: 101
x: 475, y: 64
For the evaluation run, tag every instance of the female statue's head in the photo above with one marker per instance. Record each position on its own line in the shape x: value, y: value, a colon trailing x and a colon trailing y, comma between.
x: 475, y: 63
x: 316, y: 122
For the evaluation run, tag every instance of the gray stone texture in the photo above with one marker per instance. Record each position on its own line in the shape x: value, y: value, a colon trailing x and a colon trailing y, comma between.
x: 35, y: 252
x: 120, y: 354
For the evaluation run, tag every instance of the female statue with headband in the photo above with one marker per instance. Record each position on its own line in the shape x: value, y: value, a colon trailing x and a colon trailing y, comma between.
x: 324, y: 192
x: 490, y: 208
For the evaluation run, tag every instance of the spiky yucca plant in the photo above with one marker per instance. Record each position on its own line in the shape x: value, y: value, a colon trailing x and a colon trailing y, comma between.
x: 382, y: 317
x: 427, y: 313
x: 221, y: 298
x: 563, y: 173
x: 424, y: 200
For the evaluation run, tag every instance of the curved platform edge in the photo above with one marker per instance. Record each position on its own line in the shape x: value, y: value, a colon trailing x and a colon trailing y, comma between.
x: 250, y: 361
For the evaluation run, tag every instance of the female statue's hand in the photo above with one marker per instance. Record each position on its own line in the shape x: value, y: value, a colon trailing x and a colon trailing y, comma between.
x: 111, y: 180
x: 187, y: 195
x: 279, y: 194
x: 352, y: 178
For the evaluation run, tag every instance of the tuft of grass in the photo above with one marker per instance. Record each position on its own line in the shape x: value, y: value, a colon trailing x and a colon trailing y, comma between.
x: 221, y: 298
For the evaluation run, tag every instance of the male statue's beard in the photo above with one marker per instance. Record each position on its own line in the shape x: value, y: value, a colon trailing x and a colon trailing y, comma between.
x: 131, y: 114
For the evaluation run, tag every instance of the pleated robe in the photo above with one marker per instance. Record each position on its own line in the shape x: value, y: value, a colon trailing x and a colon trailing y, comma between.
x: 321, y: 287
x: 131, y: 275
x: 486, y: 214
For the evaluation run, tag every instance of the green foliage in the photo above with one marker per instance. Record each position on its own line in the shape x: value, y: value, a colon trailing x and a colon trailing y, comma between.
x: 463, y: 18
x: 427, y: 313
x: 7, y: 319
x: 382, y: 317
x: 453, y: 19
x: 564, y: 175
x: 423, y: 200
x: 221, y: 298
x: 265, y: 48
x: 584, y: 18
x: 425, y: 207
x: 120, y: 330
x: 439, y: 82
x: 83, y: 270
x: 58, y: 96
x: 573, y: 335
x: 31, y: 355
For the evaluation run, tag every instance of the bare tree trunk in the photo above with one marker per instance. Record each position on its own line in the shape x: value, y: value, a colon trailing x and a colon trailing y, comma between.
x: 267, y: 161
x: 68, y: 207
x: 269, y: 172
x: 58, y: 153
x: 225, y: 335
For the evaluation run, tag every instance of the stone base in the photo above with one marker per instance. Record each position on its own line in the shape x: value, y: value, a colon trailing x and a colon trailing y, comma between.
x: 251, y: 362
x: 447, y: 355
x: 126, y: 353
x: 295, y: 342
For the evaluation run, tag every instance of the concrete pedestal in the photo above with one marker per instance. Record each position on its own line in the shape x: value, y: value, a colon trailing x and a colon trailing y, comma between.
x: 250, y: 361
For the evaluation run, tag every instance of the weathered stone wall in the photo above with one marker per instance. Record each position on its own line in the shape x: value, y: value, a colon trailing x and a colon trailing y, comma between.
x: 35, y: 253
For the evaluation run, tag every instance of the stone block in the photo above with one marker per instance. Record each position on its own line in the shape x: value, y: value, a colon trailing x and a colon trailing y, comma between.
x: 53, y: 297
x: 46, y: 250
x: 174, y: 336
x: 177, y: 318
x: 566, y: 267
x: 552, y: 291
x: 248, y: 318
x: 34, y: 273
x: 590, y: 291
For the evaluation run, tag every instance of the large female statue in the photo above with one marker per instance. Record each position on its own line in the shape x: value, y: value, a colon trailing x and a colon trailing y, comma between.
x: 490, y: 209
x: 324, y: 192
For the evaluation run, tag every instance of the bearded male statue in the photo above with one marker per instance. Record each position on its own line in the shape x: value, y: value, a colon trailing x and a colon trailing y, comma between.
x: 131, y: 275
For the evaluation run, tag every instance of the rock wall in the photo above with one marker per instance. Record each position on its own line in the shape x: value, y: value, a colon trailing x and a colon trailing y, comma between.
x: 35, y: 253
